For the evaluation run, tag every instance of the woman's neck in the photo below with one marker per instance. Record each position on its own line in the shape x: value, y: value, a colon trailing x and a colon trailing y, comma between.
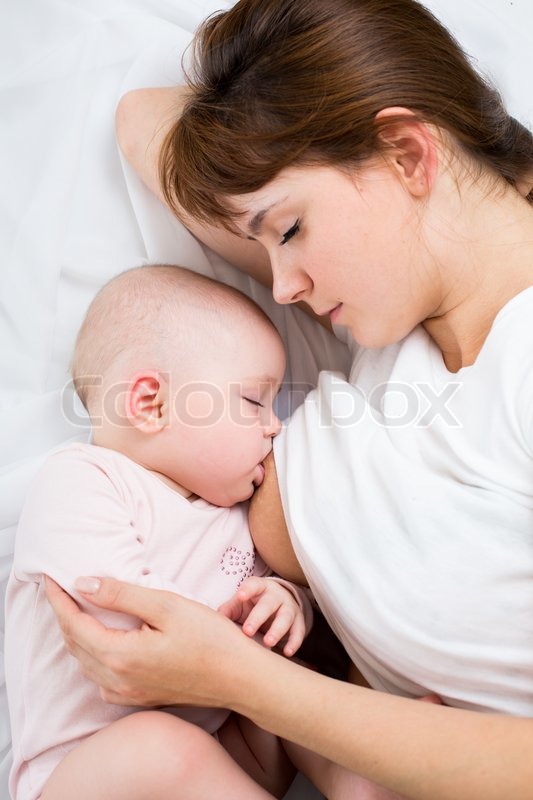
x: 486, y: 261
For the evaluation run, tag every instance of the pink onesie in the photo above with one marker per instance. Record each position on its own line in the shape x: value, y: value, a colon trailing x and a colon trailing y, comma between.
x: 93, y: 511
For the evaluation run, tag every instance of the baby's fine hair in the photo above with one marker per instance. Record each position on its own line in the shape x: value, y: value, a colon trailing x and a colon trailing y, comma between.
x: 150, y: 314
x: 278, y: 83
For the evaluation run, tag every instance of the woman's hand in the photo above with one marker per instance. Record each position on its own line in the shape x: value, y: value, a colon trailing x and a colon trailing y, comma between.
x: 178, y: 657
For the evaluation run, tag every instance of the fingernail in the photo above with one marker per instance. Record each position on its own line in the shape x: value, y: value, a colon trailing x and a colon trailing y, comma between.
x: 87, y: 585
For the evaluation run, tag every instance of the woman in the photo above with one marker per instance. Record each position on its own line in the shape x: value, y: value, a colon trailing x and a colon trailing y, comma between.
x: 387, y: 188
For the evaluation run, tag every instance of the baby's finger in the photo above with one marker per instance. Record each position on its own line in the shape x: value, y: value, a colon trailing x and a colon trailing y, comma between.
x: 281, y: 624
x: 232, y: 609
x: 296, y: 636
x: 264, y: 609
x: 252, y: 587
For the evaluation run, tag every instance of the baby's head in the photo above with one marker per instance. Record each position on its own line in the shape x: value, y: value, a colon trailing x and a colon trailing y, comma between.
x: 179, y: 373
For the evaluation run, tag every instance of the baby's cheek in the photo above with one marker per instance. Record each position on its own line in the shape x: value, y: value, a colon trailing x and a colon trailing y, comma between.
x: 200, y: 405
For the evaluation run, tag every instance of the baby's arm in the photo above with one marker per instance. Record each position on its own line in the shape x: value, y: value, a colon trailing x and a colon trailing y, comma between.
x: 273, y: 606
x: 78, y: 520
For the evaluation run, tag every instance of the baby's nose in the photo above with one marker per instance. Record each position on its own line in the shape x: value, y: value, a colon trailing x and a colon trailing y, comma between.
x: 274, y: 425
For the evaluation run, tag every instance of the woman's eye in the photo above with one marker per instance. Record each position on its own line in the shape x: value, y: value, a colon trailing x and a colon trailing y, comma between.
x: 253, y: 402
x: 291, y: 232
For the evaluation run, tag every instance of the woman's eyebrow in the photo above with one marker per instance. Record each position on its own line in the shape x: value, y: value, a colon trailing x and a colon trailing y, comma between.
x: 254, y: 226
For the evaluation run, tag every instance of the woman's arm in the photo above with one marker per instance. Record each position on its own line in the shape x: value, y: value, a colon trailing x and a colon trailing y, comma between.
x: 188, y: 654
x: 143, y: 118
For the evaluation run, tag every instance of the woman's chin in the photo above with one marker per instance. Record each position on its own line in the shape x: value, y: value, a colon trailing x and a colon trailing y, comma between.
x: 376, y: 338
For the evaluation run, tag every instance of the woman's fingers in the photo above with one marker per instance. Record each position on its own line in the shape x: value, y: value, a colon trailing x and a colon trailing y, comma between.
x: 86, y: 639
x: 64, y: 606
x: 150, y: 605
x: 97, y: 648
x: 78, y: 628
x: 173, y: 659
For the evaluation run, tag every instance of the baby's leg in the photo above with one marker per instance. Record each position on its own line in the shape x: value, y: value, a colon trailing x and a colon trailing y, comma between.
x: 336, y: 782
x: 151, y: 755
x: 259, y: 753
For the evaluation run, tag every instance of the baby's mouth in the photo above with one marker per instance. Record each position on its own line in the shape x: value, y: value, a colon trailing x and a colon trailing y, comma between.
x: 260, y: 475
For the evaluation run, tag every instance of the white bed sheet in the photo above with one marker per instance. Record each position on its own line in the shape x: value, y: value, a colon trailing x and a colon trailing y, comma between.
x: 73, y: 215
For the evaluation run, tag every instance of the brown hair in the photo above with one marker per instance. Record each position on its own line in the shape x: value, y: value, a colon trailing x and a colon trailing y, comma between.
x: 286, y: 82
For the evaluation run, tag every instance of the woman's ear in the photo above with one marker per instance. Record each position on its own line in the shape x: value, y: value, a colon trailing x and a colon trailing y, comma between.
x: 147, y: 402
x: 410, y: 148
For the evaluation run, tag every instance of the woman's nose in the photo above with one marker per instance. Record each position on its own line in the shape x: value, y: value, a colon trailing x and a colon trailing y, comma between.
x: 289, y: 284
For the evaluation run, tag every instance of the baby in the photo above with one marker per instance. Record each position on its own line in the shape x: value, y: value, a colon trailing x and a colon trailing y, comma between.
x: 178, y: 374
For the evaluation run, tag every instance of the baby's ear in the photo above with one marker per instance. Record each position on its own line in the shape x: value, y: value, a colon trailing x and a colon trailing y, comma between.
x: 410, y: 148
x: 147, y: 402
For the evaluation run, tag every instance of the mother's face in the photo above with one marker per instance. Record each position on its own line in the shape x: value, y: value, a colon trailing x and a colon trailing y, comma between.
x: 348, y: 243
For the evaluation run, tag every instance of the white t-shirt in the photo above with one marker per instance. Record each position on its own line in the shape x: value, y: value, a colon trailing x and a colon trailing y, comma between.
x: 408, y: 493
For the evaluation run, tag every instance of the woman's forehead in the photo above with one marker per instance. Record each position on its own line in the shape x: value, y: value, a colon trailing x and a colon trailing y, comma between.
x: 253, y: 207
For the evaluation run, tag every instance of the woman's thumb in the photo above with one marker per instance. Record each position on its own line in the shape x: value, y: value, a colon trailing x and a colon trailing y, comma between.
x: 146, y: 604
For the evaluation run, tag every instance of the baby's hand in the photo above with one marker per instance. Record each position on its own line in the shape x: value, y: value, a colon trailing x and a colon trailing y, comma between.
x: 266, y: 605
